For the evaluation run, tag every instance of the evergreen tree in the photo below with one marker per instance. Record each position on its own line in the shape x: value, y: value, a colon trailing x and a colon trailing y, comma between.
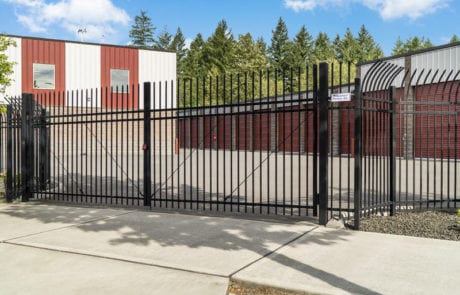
x: 193, y: 62
x: 249, y: 55
x: 368, y: 49
x: 219, y: 49
x: 279, y: 49
x: 346, y: 49
x: 323, y: 49
x: 6, y: 67
x: 302, y: 49
x: 399, y: 47
x: 164, y: 40
x: 178, y: 45
x: 260, y: 43
x: 454, y: 39
x: 142, y: 31
x: 411, y: 44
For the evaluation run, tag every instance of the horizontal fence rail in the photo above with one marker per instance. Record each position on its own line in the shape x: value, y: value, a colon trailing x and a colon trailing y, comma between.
x: 267, y: 143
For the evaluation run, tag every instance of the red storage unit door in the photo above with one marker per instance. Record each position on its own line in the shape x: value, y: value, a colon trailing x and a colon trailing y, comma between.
x: 223, y: 137
x: 309, y: 132
x: 437, y: 135
x: 347, y: 128
x: 289, y: 129
x: 262, y: 134
x: 243, y: 132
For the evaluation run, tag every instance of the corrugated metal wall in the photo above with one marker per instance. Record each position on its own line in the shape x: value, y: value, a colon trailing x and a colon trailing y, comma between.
x: 122, y: 59
x: 447, y: 59
x: 43, y: 52
x: 159, y: 67
x: 14, y: 55
x: 83, y: 71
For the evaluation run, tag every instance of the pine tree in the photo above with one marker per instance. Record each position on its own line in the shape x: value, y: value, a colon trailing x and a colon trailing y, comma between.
x: 178, y: 45
x: 260, y: 43
x: 411, y: 44
x: 194, y: 65
x: 249, y: 55
x: 219, y: 49
x: 279, y: 48
x: 142, y: 31
x: 368, y: 49
x: 346, y: 49
x: 302, y: 49
x: 323, y: 49
x: 164, y: 40
x: 399, y: 47
x: 454, y: 39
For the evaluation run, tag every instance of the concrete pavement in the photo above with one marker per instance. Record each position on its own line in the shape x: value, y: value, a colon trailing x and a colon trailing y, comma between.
x: 46, y: 249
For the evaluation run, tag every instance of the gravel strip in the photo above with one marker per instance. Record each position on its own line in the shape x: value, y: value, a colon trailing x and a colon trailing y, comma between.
x: 237, y: 289
x: 444, y: 225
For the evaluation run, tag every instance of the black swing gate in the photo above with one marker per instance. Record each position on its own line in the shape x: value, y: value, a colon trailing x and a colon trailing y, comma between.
x: 270, y: 143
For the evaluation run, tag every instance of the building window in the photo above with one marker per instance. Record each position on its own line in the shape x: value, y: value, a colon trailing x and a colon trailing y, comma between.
x: 44, y: 76
x: 119, y: 81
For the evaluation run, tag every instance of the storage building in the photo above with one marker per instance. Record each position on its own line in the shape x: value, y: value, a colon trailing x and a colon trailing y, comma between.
x: 107, y: 75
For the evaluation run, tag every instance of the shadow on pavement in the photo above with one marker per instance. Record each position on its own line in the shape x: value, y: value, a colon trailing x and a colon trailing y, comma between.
x: 147, y: 228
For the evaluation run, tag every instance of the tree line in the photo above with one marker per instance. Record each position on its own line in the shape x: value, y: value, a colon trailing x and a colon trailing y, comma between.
x: 223, y: 53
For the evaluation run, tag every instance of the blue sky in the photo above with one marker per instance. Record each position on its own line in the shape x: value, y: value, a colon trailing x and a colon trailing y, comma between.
x: 109, y: 21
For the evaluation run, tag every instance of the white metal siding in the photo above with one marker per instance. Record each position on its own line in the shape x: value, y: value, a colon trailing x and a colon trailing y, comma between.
x: 83, y: 72
x: 399, y: 79
x: 14, y: 54
x: 158, y: 67
x: 447, y: 59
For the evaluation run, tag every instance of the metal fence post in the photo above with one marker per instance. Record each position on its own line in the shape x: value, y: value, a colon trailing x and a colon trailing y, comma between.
x: 43, y: 155
x: 392, y: 142
x: 323, y: 142
x: 146, y: 146
x: 315, y: 140
x: 9, y: 153
x: 27, y: 146
x: 358, y: 153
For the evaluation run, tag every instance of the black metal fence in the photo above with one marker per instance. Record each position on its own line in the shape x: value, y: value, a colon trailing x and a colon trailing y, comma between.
x: 269, y: 143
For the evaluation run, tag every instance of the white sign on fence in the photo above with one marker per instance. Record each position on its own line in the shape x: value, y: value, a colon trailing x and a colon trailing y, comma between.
x: 340, y: 97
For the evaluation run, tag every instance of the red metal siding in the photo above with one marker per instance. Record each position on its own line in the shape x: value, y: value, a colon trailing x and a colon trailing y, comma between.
x: 243, y: 132
x: 262, y: 132
x: 209, y: 132
x: 437, y: 135
x: 44, y: 52
x: 122, y: 59
x: 309, y: 132
x: 190, y: 133
x: 376, y: 126
x: 223, y: 132
x: 289, y: 129
x: 347, y: 129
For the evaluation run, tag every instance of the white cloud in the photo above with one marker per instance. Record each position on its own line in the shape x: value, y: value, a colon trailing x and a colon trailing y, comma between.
x: 388, y: 9
x: 413, y: 9
x: 299, y: 5
x: 98, y: 17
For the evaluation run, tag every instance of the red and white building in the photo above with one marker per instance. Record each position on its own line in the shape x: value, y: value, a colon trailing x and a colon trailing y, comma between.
x: 101, y: 71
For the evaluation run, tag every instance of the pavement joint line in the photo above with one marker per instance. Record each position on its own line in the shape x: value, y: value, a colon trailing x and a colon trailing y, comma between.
x: 273, y: 251
x: 117, y: 259
x: 68, y: 226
